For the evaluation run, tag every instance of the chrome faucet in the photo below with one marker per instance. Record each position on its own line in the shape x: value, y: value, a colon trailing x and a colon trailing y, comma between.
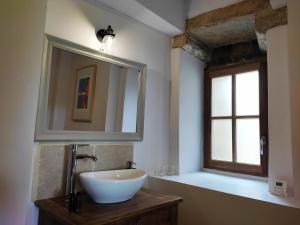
x: 71, y: 176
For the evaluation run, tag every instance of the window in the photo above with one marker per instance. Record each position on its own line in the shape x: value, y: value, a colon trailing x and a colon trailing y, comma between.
x: 236, y: 128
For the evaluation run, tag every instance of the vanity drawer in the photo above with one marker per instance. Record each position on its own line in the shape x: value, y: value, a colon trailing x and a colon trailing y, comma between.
x: 158, y: 217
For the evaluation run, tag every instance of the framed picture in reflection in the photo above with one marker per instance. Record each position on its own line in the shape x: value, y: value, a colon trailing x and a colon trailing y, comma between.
x: 83, y: 102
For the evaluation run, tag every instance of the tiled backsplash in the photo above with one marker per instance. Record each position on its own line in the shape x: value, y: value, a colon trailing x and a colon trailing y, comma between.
x: 51, y: 162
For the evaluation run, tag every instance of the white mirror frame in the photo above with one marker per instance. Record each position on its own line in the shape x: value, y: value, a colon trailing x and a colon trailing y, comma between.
x: 43, y: 134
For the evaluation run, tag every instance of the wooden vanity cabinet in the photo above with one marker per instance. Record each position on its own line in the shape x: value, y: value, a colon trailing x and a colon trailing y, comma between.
x: 145, y: 208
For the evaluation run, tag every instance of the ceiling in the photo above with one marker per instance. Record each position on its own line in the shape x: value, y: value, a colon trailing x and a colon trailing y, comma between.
x: 153, y: 13
x: 158, y: 15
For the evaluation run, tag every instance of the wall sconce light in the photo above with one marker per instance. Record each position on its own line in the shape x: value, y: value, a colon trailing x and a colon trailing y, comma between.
x: 106, y: 37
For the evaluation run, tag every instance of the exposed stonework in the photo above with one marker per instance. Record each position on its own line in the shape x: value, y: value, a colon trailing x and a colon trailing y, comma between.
x: 237, y: 53
x: 236, y: 30
x: 262, y: 40
x: 192, y: 46
x: 242, y: 22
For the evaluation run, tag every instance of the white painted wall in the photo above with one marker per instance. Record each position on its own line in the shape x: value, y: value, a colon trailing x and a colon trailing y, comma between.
x: 191, y: 103
x: 77, y: 21
x: 294, y: 70
x: 20, y: 66
x: 187, y: 112
x: 280, y: 140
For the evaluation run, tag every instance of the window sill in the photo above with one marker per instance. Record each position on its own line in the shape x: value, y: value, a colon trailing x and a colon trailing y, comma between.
x: 247, y: 188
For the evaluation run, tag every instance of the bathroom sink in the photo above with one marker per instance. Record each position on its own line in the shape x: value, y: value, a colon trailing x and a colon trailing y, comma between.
x: 114, y: 185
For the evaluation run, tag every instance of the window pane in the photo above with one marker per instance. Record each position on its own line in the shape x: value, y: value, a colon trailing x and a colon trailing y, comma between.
x: 247, y: 141
x: 247, y: 93
x: 221, y: 96
x: 221, y: 140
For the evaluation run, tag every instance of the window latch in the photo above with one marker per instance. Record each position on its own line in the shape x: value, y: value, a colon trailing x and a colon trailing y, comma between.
x: 263, y: 142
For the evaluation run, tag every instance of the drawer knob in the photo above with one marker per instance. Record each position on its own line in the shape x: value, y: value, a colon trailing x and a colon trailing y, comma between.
x: 139, y: 222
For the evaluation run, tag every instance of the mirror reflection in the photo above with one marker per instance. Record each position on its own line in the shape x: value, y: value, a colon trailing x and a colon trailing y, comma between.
x: 87, y: 94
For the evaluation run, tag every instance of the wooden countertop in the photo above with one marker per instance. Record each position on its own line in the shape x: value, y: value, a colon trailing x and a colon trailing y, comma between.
x: 91, y: 213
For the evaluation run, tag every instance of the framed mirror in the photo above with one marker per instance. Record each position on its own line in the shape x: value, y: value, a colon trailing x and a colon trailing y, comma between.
x: 86, y: 95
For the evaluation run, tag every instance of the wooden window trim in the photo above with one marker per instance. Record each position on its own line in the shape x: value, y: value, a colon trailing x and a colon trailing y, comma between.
x: 235, y: 167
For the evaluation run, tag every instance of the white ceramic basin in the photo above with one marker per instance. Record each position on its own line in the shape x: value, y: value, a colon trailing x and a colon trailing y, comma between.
x: 114, y: 185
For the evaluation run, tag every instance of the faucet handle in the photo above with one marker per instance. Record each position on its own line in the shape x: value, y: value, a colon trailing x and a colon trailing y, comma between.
x: 131, y: 165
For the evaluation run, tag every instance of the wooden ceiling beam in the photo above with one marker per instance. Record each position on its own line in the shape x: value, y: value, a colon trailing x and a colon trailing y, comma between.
x: 180, y: 40
x: 192, y: 46
x: 220, y: 15
x: 265, y: 18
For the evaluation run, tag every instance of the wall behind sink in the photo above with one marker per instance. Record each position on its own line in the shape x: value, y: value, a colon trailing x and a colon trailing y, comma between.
x: 51, y: 163
x: 77, y: 21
